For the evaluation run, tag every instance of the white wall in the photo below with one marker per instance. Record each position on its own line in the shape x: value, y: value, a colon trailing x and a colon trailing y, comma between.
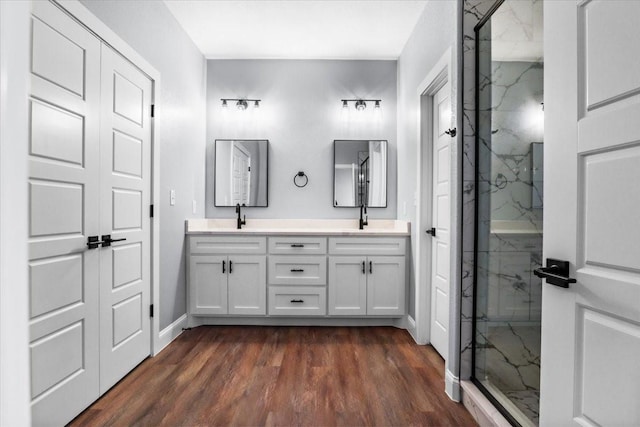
x: 301, y: 114
x: 149, y: 28
x: 14, y: 290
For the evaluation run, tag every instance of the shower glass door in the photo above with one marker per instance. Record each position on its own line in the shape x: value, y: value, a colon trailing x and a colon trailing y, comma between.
x: 510, y: 125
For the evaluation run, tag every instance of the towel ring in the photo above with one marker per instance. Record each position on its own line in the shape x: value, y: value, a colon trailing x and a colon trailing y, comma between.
x: 295, y: 179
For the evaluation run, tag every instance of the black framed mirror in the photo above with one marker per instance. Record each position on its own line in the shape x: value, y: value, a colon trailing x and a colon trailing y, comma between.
x: 241, y: 172
x: 360, y: 173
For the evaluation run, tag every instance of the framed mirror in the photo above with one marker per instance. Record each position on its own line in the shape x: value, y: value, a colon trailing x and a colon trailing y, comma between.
x: 241, y: 172
x: 360, y: 173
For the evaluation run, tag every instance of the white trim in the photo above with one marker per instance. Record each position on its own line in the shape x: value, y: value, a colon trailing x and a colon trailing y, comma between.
x: 96, y: 26
x: 15, y: 78
x: 292, y: 321
x: 170, y: 333
x: 452, y: 386
x: 439, y: 75
x: 411, y: 328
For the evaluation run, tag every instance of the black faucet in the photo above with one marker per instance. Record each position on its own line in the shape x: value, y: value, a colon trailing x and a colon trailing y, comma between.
x: 240, y: 222
x: 364, y: 221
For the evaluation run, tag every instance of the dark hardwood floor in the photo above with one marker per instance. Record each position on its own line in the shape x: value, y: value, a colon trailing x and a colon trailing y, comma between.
x: 285, y: 376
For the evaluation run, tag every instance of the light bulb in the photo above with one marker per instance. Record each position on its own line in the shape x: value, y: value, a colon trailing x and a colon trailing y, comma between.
x: 256, y: 104
x: 345, y: 104
x: 360, y: 105
x: 224, y: 103
x: 241, y: 104
x: 377, y: 105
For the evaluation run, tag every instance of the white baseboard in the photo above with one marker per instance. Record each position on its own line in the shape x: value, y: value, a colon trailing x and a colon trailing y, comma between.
x: 452, y: 386
x: 170, y: 333
x: 290, y: 321
x: 411, y: 328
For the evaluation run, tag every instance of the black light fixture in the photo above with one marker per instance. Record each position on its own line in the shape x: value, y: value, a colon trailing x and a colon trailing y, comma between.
x: 241, y: 103
x: 360, y: 104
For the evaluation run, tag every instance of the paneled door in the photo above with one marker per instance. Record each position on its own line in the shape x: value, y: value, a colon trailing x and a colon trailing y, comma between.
x: 591, y: 330
x: 440, y: 231
x: 64, y: 203
x: 125, y: 176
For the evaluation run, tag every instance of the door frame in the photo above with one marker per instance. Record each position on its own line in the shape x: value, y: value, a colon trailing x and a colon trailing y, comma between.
x: 108, y: 36
x: 440, y: 74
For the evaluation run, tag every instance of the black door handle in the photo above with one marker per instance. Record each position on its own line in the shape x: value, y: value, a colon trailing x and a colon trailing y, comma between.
x: 363, y: 268
x: 230, y: 266
x: 556, y: 273
x: 107, y: 240
x: 223, y: 263
x: 297, y: 245
x: 297, y: 270
x: 370, y: 267
x: 298, y: 301
x: 93, y: 242
x: 432, y: 231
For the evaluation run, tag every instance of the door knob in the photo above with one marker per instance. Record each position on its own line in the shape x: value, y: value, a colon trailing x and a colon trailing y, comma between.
x: 107, y: 240
x: 432, y: 231
x: 556, y: 273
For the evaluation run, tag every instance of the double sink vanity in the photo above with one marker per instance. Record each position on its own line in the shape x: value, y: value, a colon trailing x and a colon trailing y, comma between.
x: 295, y: 270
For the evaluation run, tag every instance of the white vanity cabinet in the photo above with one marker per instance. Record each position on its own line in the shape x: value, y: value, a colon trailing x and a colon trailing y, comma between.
x: 367, y: 285
x: 223, y: 282
x: 296, y: 273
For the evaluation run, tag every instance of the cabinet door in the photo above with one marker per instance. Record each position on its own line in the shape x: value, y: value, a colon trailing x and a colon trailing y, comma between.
x: 385, y: 286
x: 347, y: 286
x: 247, y: 285
x: 208, y: 284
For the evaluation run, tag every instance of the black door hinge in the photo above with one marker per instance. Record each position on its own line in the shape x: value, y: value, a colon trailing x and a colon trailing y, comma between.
x: 151, y: 211
x: 153, y: 110
x: 151, y: 310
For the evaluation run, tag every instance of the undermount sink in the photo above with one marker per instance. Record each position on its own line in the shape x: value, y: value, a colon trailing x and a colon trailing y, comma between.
x: 299, y: 226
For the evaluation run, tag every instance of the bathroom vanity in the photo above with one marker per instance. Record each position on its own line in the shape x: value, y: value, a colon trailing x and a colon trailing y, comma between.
x: 295, y: 270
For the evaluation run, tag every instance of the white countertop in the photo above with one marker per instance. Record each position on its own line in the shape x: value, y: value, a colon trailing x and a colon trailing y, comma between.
x: 339, y: 227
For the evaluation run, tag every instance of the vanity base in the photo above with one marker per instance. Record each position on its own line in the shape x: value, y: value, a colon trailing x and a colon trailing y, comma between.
x: 195, y: 321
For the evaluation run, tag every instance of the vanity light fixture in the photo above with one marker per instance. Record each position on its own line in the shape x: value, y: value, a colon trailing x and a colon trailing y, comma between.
x: 361, y: 104
x: 241, y: 103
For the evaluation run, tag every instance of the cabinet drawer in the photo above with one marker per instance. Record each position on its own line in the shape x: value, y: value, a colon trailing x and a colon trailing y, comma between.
x: 297, y: 300
x: 227, y: 245
x: 297, y: 270
x: 367, y: 245
x: 293, y: 245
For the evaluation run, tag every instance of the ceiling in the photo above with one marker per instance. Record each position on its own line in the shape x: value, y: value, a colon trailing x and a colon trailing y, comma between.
x: 298, y: 29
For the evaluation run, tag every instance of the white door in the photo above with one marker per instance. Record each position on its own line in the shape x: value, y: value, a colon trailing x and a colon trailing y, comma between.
x: 347, y: 286
x: 247, y: 285
x: 63, y: 203
x: 440, y: 222
x: 385, y: 285
x: 125, y: 178
x: 208, y: 284
x: 240, y: 179
x: 590, y: 371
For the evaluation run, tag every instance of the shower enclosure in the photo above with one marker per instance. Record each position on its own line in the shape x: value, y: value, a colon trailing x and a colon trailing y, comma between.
x: 509, y: 170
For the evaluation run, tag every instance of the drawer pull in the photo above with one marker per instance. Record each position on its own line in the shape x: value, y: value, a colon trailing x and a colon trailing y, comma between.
x: 297, y: 245
x: 363, y: 270
x: 230, y: 266
x: 297, y: 301
x: 223, y: 270
x: 370, y: 267
x: 297, y: 270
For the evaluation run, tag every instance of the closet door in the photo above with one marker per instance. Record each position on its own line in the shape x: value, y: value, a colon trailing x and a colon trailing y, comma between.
x: 63, y: 207
x: 125, y: 179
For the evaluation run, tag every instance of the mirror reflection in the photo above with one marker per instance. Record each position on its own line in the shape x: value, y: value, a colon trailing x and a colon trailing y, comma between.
x: 241, y: 172
x: 360, y: 173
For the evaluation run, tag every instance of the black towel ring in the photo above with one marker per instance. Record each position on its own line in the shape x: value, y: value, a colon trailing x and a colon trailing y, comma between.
x: 300, y: 174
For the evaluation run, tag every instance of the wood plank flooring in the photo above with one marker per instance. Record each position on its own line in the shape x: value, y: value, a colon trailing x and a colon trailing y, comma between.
x: 283, y: 376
